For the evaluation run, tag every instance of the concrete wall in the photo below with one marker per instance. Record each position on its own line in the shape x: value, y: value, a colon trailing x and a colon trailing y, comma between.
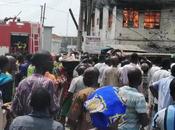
x: 165, y: 36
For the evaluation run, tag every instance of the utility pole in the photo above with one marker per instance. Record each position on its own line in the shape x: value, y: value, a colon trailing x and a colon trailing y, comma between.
x: 44, y: 13
x: 80, y: 27
x: 41, y: 17
x: 41, y: 28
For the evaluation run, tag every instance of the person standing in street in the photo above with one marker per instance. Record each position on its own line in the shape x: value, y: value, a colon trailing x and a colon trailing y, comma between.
x: 43, y: 62
x: 78, y: 117
x: 136, y: 110
x: 111, y: 74
x: 39, y: 118
x: 165, y: 118
x: 6, y: 81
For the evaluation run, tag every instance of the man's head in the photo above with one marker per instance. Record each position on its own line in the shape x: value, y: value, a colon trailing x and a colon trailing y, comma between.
x: 3, y: 63
x: 134, y: 58
x: 172, y: 89
x: 28, y: 57
x: 115, y: 61
x: 108, y: 61
x: 90, y: 77
x: 166, y: 64
x: 81, y: 69
x: 145, y: 67
x: 20, y: 59
x: 40, y: 99
x: 42, y: 61
x: 101, y: 58
x: 134, y: 77
x: 124, y: 62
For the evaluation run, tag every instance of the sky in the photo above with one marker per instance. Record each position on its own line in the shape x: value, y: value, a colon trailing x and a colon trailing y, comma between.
x: 57, y: 13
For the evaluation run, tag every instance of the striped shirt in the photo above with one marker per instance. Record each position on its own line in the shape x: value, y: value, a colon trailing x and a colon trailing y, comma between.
x: 165, y: 119
x: 135, y: 103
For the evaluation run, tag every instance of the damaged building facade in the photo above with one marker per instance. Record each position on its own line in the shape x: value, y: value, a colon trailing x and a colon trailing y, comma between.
x: 143, y: 24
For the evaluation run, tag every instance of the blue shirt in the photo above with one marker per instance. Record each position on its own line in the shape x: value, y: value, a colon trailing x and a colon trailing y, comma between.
x: 165, y: 119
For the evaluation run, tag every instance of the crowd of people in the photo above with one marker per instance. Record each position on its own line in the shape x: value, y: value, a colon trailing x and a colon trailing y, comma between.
x: 44, y: 91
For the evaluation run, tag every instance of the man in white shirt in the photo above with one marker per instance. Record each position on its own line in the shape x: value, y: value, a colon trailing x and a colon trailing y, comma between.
x: 77, y: 83
x: 163, y: 72
x: 105, y: 65
x: 165, y: 119
x: 101, y: 62
x: 134, y: 60
x: 160, y: 89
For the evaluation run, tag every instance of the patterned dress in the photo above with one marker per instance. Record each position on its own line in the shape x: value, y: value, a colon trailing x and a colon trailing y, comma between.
x: 77, y: 111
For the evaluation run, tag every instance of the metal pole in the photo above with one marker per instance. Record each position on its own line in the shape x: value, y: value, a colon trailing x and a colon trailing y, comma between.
x: 44, y: 13
x: 73, y: 18
x: 41, y: 14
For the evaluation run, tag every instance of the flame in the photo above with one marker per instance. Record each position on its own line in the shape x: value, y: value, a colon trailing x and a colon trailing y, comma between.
x: 152, y: 20
x: 130, y: 18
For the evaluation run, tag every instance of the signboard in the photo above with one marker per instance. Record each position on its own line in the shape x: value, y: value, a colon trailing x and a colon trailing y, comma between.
x: 92, y: 45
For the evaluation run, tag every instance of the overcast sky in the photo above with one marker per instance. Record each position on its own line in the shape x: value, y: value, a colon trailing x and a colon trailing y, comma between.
x: 57, y: 13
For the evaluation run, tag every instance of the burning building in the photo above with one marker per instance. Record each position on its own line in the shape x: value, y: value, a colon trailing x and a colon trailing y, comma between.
x: 146, y: 24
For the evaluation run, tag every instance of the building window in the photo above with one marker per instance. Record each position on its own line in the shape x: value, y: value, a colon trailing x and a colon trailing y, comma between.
x: 93, y: 20
x: 110, y: 18
x: 152, y: 20
x: 101, y: 19
x: 85, y: 20
x: 130, y: 18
